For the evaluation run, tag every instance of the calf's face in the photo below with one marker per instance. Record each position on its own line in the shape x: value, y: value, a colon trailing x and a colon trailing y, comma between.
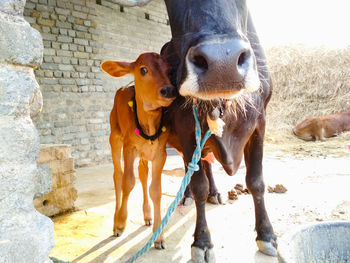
x: 210, y: 38
x: 152, y: 84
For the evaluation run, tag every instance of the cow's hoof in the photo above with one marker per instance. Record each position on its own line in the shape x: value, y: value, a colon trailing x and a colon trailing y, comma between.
x: 148, y: 222
x: 118, y: 232
x: 199, y: 255
x: 160, y: 245
x: 268, y: 248
x: 214, y: 199
x: 187, y: 201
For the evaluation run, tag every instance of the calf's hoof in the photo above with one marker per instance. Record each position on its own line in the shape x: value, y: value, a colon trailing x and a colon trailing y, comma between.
x: 214, y: 199
x: 186, y: 201
x: 268, y: 248
x: 199, y: 255
x: 118, y: 232
x: 148, y: 222
x: 160, y: 245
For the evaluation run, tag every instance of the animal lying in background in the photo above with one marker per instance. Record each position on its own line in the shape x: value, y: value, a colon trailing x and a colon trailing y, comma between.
x: 321, y: 127
x: 137, y: 129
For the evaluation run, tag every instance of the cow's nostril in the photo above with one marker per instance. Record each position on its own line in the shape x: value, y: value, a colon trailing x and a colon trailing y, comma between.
x: 200, y: 62
x: 243, y: 57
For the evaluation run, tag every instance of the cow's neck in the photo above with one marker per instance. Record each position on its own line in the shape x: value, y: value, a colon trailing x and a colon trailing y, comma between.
x: 149, y: 118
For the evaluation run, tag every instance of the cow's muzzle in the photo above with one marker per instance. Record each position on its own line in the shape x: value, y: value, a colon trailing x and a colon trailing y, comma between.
x: 219, y: 69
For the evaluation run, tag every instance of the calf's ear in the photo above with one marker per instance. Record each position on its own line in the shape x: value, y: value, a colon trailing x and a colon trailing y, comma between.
x: 117, y: 68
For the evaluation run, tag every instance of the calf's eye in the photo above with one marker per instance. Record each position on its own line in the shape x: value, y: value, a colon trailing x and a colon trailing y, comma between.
x: 143, y: 70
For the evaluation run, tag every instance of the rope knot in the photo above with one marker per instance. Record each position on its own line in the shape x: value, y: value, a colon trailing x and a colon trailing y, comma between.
x: 193, y: 167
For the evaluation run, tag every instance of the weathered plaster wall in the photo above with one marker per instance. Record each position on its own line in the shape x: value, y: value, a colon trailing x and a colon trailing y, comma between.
x: 25, y: 234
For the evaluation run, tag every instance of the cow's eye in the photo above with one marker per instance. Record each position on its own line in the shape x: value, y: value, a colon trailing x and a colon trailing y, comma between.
x: 143, y: 70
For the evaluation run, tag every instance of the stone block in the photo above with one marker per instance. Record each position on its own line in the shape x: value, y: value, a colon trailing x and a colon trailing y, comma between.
x: 62, y: 18
x: 71, y: 33
x: 62, y: 11
x: 44, y: 7
x: 64, y: 39
x: 45, y: 22
x: 63, y: 194
x: 58, y: 201
x: 79, y: 15
x: 48, y: 81
x: 61, y: 24
x: 65, y: 67
x: 80, y: 28
x: 64, y: 47
x: 78, y: 54
x: 67, y: 81
x: 49, y: 52
x: 52, y: 2
x: 49, y: 73
x: 80, y: 41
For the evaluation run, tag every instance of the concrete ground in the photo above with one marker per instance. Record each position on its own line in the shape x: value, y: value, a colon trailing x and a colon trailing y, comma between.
x: 318, y: 190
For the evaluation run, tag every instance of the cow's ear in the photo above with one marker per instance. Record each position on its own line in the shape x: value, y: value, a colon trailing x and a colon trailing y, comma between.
x: 117, y: 68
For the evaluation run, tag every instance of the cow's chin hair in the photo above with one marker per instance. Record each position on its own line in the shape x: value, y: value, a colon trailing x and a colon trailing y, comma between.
x: 239, y: 103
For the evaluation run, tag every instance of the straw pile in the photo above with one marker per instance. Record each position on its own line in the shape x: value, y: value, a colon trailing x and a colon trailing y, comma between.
x: 307, y: 82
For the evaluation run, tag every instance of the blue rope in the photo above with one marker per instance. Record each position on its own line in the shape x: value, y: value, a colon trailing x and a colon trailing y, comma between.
x: 191, y: 168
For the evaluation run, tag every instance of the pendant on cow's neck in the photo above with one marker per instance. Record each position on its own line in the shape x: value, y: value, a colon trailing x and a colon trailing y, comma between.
x: 139, y: 131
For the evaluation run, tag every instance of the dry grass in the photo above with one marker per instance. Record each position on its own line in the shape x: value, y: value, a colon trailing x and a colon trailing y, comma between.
x: 307, y: 82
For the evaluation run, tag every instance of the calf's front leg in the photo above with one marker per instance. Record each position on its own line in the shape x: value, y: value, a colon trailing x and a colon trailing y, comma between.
x: 143, y: 174
x: 156, y: 195
x: 128, y: 183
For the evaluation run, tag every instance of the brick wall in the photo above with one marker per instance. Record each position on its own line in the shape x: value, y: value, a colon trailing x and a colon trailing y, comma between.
x: 77, y: 36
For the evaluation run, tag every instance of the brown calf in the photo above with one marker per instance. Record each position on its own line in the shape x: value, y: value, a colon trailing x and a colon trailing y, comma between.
x: 139, y: 131
x: 321, y: 127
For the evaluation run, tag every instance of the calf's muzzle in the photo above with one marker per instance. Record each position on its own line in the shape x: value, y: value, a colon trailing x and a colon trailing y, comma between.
x: 168, y: 92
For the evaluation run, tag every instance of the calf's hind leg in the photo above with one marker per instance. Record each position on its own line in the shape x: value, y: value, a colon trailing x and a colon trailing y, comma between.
x: 253, y: 154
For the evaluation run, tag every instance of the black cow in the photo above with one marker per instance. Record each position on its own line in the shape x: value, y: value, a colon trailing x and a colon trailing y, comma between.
x: 215, y: 56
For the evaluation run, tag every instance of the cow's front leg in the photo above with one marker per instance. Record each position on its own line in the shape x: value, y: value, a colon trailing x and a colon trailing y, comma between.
x: 202, y: 247
x: 253, y: 154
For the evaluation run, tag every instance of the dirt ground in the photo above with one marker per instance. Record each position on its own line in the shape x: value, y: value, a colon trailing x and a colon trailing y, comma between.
x: 316, y: 174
